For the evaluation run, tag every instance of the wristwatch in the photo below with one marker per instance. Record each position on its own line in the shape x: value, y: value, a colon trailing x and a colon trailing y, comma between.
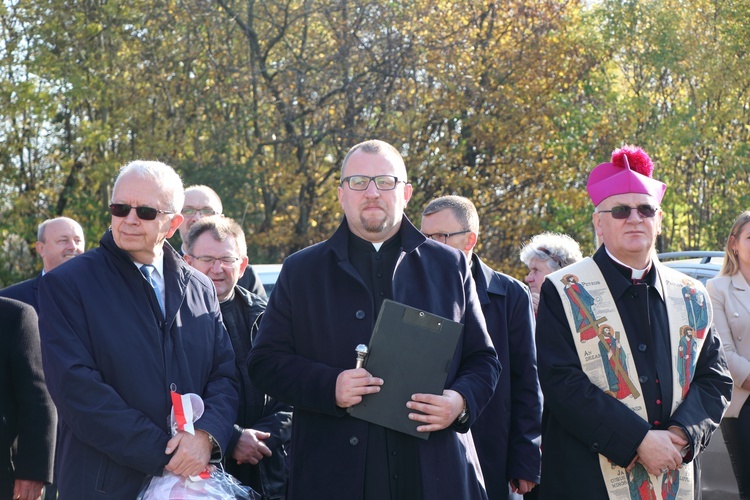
x: 463, y: 417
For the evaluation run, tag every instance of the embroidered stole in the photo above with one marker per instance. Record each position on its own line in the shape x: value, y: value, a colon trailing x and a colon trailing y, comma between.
x: 605, y: 355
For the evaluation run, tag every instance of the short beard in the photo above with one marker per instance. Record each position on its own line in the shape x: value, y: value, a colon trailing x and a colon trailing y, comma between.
x: 374, y: 226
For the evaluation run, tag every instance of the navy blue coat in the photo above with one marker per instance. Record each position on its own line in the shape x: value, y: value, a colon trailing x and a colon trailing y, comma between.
x: 319, y: 311
x: 25, y: 291
x: 508, y: 432
x: 110, y: 358
x: 582, y: 421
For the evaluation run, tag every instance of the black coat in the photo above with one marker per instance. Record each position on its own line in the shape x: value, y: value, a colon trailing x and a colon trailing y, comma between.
x: 26, y: 410
x: 319, y: 311
x: 257, y: 410
x: 582, y: 421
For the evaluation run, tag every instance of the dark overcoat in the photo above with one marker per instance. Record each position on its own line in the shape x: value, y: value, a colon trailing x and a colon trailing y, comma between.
x: 26, y: 410
x: 507, y: 434
x: 319, y: 311
x: 111, y: 357
x: 25, y: 291
x: 581, y: 421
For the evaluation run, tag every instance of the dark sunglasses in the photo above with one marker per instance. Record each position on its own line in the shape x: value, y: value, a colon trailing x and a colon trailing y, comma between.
x: 623, y: 211
x: 143, y: 213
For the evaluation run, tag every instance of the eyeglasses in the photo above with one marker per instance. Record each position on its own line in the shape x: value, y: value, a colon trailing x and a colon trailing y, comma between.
x: 224, y: 261
x: 443, y: 237
x: 203, y: 212
x: 143, y: 213
x: 623, y: 211
x: 362, y: 182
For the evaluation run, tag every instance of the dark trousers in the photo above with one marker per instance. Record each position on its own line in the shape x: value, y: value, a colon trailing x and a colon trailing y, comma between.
x: 736, y: 432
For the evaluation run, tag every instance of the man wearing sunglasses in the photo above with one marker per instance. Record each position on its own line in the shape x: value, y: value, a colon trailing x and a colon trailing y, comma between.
x: 121, y: 327
x: 326, y: 302
x: 602, y: 440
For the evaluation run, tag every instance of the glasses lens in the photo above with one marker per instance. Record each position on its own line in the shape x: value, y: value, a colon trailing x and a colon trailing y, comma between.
x: 647, y: 210
x: 119, y: 209
x: 385, y: 182
x: 359, y: 182
x: 146, y: 213
x: 621, y: 212
x: 188, y: 211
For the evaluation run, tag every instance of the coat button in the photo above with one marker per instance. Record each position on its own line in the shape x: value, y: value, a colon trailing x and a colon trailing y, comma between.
x: 643, y: 379
x: 642, y: 347
x: 360, y: 314
x: 634, y: 295
x: 354, y: 440
x: 595, y: 447
x: 736, y: 315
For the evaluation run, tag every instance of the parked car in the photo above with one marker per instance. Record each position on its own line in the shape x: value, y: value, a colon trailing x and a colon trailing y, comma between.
x: 702, y: 265
x: 268, y: 273
x: 717, y: 479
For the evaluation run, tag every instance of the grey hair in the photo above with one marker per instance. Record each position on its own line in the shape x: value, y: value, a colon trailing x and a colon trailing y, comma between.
x: 463, y: 209
x: 164, y: 176
x: 220, y: 228
x: 558, y: 249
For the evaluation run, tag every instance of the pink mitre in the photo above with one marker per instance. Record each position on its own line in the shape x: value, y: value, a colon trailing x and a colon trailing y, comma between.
x: 629, y: 172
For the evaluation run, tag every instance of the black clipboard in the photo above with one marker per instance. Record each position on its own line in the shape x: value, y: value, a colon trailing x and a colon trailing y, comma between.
x: 411, y: 350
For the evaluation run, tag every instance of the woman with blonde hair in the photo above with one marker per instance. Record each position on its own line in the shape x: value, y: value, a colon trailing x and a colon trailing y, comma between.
x: 730, y: 296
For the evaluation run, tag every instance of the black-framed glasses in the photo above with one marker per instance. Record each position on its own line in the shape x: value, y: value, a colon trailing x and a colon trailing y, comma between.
x: 623, y: 211
x: 203, y: 212
x: 227, y: 261
x: 362, y: 182
x: 443, y: 237
x: 143, y: 213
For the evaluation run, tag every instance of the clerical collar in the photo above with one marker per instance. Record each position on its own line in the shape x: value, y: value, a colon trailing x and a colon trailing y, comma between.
x: 635, y: 274
x: 368, y: 246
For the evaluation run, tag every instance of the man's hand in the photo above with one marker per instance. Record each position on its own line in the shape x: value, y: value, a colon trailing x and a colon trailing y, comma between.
x: 659, y: 450
x: 351, y: 385
x: 191, y: 453
x: 25, y: 489
x: 438, y: 412
x: 521, y: 486
x: 250, y: 448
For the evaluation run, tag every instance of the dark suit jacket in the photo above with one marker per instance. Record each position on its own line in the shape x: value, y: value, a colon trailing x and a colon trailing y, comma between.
x: 318, y: 312
x: 25, y: 291
x: 26, y: 410
x: 508, y: 432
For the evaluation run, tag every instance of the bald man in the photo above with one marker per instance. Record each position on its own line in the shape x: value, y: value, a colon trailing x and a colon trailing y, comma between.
x: 58, y: 240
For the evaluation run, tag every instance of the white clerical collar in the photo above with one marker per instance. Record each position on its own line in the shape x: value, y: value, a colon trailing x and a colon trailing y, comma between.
x: 635, y: 274
x: 378, y: 245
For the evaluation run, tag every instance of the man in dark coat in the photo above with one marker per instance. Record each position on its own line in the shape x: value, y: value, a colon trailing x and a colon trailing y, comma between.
x: 118, y: 336
x: 58, y: 240
x: 325, y: 303
x: 508, y: 432
x: 600, y: 441
x: 257, y: 451
x: 26, y: 411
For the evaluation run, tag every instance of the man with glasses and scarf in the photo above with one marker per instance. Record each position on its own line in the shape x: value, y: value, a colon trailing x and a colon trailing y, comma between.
x: 325, y: 303
x: 635, y: 443
x: 123, y: 326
